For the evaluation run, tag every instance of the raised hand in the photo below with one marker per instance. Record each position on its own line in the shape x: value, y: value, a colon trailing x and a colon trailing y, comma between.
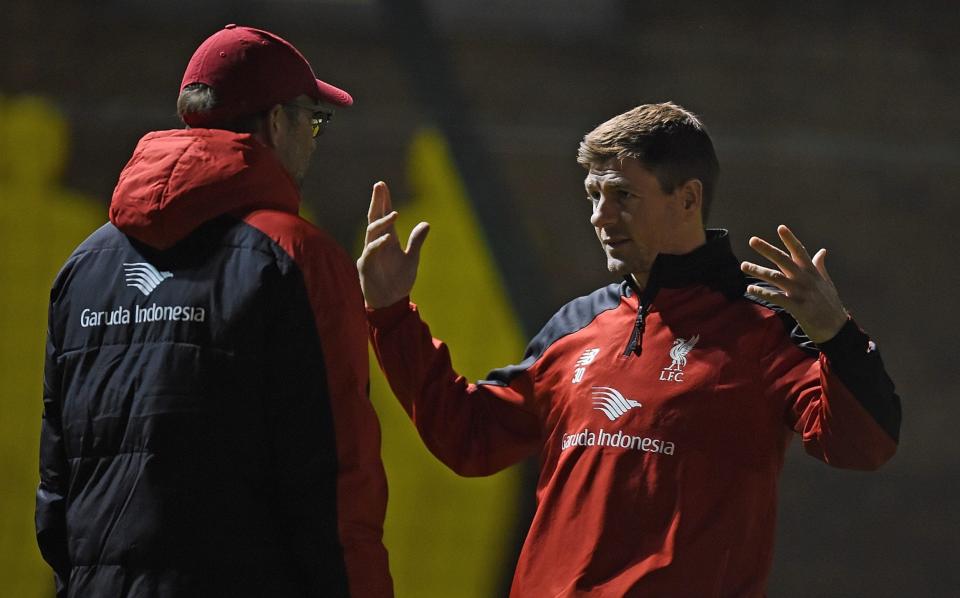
x: 805, y: 288
x: 387, y: 272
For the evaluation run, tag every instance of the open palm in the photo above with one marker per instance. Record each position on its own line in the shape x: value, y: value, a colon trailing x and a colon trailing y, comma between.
x: 387, y: 271
x: 801, y: 285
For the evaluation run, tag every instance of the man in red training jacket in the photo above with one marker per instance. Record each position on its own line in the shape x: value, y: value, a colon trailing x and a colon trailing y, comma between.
x: 661, y: 406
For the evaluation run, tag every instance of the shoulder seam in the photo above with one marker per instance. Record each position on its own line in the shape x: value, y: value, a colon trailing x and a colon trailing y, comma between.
x: 543, y: 341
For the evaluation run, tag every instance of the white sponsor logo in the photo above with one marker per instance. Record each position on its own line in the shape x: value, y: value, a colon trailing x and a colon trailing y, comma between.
x: 143, y: 276
x: 580, y: 368
x: 611, y: 402
x: 588, y: 437
x: 678, y: 353
x: 152, y: 313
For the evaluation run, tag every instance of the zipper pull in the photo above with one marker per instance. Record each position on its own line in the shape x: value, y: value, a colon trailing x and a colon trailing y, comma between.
x: 636, y: 337
x: 645, y: 298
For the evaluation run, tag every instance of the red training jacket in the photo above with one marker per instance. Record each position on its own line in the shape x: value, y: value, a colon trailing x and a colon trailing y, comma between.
x: 660, y: 421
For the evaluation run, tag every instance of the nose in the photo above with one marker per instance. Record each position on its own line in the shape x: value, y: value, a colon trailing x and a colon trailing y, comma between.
x: 604, y: 212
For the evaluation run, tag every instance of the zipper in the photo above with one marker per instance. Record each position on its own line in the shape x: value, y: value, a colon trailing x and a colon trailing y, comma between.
x: 635, y: 346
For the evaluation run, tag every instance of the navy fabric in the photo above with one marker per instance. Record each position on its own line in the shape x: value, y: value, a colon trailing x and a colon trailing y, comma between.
x: 188, y: 441
x: 572, y: 317
x: 854, y: 358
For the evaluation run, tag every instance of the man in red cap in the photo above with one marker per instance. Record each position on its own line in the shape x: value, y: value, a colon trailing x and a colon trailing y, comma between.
x: 206, y: 427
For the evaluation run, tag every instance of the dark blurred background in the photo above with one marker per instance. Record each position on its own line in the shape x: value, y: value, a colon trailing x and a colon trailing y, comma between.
x: 837, y: 118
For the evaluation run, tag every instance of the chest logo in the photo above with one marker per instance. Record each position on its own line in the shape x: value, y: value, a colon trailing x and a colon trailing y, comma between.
x: 678, y: 353
x: 611, y: 402
x: 580, y: 368
x: 144, y: 277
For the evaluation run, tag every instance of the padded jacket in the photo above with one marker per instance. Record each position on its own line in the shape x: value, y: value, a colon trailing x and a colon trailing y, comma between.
x: 207, y: 429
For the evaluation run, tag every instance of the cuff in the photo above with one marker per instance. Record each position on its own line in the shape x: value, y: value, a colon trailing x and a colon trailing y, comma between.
x: 389, y: 316
x: 849, y: 341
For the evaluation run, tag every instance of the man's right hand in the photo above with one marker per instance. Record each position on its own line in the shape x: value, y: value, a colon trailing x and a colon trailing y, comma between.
x: 387, y: 272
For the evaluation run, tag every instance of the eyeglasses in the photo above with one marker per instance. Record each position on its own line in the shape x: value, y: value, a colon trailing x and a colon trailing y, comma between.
x: 318, y: 118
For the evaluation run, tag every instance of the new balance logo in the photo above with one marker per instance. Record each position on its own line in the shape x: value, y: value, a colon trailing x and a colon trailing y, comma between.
x: 580, y: 368
x: 144, y: 277
x: 611, y: 402
x: 588, y: 356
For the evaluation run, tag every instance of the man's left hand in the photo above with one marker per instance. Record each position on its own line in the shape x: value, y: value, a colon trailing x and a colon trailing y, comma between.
x: 804, y: 287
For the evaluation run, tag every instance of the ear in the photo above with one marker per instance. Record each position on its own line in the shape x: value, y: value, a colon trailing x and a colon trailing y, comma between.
x: 690, y: 195
x: 270, y: 127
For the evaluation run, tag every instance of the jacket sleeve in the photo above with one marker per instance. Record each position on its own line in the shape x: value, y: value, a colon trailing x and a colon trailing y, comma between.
x: 334, y: 288
x: 837, y: 396
x: 51, y: 521
x: 327, y: 438
x: 475, y: 429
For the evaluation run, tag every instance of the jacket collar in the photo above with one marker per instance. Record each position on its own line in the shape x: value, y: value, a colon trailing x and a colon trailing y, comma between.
x: 712, y: 264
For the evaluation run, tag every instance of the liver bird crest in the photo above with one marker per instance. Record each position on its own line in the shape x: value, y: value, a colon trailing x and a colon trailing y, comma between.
x: 681, y: 347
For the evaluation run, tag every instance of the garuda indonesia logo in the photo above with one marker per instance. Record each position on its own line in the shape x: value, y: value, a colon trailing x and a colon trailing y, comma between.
x: 611, y: 402
x: 144, y: 277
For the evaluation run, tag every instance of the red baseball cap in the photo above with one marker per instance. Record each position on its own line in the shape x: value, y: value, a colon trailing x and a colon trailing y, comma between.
x: 252, y: 70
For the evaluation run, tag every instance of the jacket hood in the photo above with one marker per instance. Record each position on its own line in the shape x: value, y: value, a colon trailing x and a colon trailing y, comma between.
x: 177, y: 180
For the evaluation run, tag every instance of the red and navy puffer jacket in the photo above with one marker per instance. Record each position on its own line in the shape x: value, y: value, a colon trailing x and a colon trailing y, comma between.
x: 206, y: 428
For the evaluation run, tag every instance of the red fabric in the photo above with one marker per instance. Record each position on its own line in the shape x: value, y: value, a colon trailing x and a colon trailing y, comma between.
x: 824, y: 425
x: 177, y: 180
x: 333, y: 287
x: 251, y: 71
x: 615, y: 521
x: 475, y: 431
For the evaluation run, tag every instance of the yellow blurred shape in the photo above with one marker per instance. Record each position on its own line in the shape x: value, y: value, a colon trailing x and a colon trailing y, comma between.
x: 40, y: 224
x: 447, y: 535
